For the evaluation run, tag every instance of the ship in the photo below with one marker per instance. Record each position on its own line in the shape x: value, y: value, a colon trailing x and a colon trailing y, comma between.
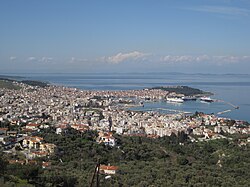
x: 206, y: 99
x: 175, y: 100
x: 189, y: 98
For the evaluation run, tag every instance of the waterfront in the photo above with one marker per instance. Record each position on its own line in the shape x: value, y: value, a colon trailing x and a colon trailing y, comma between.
x: 228, y: 87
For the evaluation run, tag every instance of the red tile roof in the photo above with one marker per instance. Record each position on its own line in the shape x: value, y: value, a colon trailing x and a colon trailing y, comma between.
x: 3, y: 129
x: 32, y: 125
x: 104, y: 167
x: 46, y: 164
x: 17, y: 162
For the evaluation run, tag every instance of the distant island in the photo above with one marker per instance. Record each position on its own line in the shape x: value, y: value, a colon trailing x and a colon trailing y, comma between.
x: 185, y: 90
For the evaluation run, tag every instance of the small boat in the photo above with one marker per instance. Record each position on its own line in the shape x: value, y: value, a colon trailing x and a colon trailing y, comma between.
x: 206, y: 99
x: 175, y: 100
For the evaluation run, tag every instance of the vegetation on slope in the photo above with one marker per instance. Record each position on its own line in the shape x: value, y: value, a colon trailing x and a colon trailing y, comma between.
x: 35, y: 83
x: 186, y: 90
x: 141, y: 161
x: 8, y: 85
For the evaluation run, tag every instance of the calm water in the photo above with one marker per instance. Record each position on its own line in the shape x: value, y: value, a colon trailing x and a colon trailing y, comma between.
x: 231, y: 88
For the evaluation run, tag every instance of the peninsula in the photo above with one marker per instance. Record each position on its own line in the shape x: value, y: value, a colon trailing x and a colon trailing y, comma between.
x: 185, y: 90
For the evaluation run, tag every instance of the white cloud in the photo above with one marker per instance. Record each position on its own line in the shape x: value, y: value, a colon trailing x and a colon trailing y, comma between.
x: 12, y: 58
x: 121, y: 57
x: 203, y: 58
x: 221, y: 10
x: 41, y: 60
x: 184, y: 58
x: 230, y: 59
x: 77, y: 60
x: 46, y: 60
x: 32, y: 58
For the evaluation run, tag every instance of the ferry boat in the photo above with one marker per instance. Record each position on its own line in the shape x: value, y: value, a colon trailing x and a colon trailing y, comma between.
x: 206, y: 99
x: 189, y: 98
x: 175, y: 100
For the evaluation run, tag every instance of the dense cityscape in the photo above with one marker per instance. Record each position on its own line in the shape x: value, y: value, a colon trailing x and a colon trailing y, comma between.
x: 28, y: 112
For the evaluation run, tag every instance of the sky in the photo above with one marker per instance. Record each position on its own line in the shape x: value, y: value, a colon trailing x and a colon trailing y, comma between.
x: 92, y: 36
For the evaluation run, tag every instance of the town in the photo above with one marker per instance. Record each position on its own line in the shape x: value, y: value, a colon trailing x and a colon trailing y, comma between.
x: 32, y: 108
x: 27, y: 113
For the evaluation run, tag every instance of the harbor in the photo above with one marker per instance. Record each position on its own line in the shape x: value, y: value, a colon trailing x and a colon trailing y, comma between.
x: 212, y: 106
x: 236, y: 92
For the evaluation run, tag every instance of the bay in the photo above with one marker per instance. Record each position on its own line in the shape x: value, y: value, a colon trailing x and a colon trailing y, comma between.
x: 232, y: 88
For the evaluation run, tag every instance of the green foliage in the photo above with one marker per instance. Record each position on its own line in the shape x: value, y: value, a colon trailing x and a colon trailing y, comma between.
x: 3, y: 164
x: 186, y: 90
x: 8, y: 82
x: 8, y: 85
x: 141, y: 161
x: 35, y: 83
x: 181, y: 160
x: 26, y: 172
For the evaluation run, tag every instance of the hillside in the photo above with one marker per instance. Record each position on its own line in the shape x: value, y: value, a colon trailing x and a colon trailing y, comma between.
x: 8, y: 82
x: 141, y: 161
x: 186, y: 90
x: 8, y: 85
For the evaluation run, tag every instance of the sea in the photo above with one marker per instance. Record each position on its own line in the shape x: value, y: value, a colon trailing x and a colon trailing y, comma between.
x: 233, y: 89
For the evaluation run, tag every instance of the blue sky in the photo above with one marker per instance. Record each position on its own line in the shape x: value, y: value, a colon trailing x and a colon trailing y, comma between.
x: 210, y: 36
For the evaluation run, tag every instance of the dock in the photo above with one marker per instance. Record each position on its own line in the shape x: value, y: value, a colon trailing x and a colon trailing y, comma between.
x: 223, y: 112
x: 234, y: 106
x: 226, y: 111
x: 172, y: 110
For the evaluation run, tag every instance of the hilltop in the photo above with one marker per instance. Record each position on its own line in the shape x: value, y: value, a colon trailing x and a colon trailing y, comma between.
x: 186, y: 90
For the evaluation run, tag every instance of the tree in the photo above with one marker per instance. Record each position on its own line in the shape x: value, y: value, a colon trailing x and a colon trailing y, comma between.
x: 181, y: 160
x: 3, y: 165
x: 182, y: 137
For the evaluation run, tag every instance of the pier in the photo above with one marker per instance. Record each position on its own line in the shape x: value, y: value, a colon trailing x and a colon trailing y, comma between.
x: 234, y: 106
x: 172, y: 110
x: 225, y: 111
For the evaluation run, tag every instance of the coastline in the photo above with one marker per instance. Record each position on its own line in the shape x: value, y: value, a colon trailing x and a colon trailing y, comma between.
x: 202, y: 108
x: 97, y: 122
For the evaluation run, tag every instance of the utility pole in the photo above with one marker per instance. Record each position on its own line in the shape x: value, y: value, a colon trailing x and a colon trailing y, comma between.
x: 96, y: 173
